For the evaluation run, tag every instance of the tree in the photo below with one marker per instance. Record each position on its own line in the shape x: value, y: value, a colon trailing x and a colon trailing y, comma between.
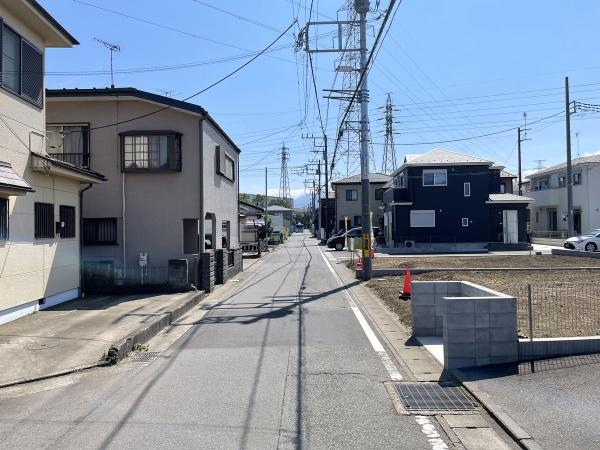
x: 244, y: 198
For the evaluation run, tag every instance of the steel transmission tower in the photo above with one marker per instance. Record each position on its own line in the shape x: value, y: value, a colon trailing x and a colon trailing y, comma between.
x: 284, y: 183
x: 388, y: 163
x: 348, y: 64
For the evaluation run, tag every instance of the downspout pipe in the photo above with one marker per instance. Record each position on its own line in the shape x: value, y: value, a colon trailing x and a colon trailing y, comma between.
x: 81, y: 278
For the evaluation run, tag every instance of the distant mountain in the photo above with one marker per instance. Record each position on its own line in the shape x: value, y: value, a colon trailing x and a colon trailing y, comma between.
x: 303, y: 201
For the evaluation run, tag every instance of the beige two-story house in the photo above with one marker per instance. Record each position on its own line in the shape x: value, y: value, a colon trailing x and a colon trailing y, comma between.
x: 39, y: 195
x: 173, y: 185
x: 348, y: 203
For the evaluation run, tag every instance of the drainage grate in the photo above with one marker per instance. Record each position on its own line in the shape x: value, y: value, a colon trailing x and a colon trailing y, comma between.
x: 433, y: 397
x: 144, y: 356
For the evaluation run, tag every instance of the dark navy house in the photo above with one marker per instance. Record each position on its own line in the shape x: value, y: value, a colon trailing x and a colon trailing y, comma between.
x: 445, y: 197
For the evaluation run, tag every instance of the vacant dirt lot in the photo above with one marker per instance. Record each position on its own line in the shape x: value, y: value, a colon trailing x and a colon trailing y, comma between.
x: 565, y: 303
x: 487, y: 261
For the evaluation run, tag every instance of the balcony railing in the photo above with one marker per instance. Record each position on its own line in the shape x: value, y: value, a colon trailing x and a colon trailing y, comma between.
x: 77, y: 159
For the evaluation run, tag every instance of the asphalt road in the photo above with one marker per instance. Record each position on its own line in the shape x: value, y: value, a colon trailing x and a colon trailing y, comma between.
x: 283, y: 362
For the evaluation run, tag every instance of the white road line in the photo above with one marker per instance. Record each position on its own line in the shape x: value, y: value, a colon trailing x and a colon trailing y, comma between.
x: 433, y: 437
x: 375, y: 343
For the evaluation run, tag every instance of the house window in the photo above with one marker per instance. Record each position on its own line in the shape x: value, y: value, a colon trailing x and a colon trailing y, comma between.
x: 151, y: 151
x: 357, y: 221
x: 225, y: 164
x: 351, y: 195
x: 67, y: 221
x: 191, y: 236
x: 502, y: 188
x: 22, y: 66
x: 3, y: 219
x: 537, y: 216
x: 435, y: 177
x: 69, y: 143
x: 465, y: 221
x: 379, y: 194
x: 44, y: 220
x: 576, y: 178
x: 562, y: 181
x: 422, y: 218
x: 100, y: 231
x: 467, y: 189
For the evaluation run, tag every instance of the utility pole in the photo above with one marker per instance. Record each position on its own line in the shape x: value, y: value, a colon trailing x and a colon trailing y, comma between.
x: 569, y: 166
x: 362, y: 7
x: 520, y: 175
x: 266, y: 199
x: 320, y: 200
x: 326, y: 189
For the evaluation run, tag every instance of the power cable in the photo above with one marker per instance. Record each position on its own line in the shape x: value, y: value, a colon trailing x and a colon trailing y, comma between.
x: 219, y: 81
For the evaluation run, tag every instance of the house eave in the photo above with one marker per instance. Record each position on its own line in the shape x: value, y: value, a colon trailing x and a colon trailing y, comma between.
x: 50, y: 166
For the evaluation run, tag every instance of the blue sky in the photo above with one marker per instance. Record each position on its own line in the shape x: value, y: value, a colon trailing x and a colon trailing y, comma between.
x: 455, y: 69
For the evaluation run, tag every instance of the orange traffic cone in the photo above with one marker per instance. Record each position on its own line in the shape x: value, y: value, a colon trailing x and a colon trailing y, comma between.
x: 405, y: 295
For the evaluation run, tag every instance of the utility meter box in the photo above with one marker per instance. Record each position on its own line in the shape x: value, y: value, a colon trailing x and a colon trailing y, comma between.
x: 143, y: 259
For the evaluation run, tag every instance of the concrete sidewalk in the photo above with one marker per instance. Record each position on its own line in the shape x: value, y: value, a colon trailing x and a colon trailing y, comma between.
x: 79, y: 333
x: 555, y: 401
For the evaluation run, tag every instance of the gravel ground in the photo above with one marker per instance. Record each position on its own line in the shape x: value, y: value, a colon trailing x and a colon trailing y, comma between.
x: 565, y: 303
x: 486, y: 261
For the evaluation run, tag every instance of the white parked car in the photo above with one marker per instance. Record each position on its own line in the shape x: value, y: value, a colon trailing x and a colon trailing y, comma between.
x: 590, y: 242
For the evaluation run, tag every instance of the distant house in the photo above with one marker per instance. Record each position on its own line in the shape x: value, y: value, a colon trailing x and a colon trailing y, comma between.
x: 548, y: 188
x: 286, y: 213
x: 348, y: 199
x: 448, y: 197
x: 39, y: 195
x: 173, y: 186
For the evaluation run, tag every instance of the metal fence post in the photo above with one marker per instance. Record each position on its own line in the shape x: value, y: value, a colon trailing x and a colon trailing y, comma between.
x: 529, y: 313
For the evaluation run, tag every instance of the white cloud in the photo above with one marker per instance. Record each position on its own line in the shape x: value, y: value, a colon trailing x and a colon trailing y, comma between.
x: 591, y: 153
x: 295, y: 193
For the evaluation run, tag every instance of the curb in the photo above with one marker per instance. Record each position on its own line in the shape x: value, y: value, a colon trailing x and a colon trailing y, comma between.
x: 519, y: 435
x: 53, y: 375
x: 121, y: 348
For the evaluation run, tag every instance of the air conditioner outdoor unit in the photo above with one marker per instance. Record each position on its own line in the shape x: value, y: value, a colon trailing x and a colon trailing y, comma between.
x: 409, y: 244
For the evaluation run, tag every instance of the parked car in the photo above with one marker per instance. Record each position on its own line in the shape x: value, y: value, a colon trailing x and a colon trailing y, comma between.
x: 590, y: 242
x: 339, y: 242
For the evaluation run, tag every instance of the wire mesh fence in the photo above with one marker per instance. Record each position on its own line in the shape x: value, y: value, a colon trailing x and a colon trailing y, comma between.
x: 558, y: 309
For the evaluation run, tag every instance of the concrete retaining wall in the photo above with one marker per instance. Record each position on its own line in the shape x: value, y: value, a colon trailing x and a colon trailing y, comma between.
x: 555, y: 347
x: 567, y: 252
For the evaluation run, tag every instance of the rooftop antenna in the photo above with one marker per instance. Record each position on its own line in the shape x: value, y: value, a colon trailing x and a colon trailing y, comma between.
x: 168, y: 92
x: 113, y: 48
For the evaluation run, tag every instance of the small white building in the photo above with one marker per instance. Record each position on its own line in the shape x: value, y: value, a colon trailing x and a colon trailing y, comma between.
x: 548, y: 187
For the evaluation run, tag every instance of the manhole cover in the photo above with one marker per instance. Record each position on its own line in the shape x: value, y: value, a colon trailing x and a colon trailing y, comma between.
x: 433, y: 397
x: 144, y: 356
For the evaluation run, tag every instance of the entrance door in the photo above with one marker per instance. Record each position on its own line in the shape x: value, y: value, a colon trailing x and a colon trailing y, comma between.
x: 387, y: 226
x: 577, y: 221
x: 552, y: 220
x: 511, y: 226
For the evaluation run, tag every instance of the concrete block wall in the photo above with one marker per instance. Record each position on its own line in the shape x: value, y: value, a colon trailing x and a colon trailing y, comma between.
x: 478, y: 325
x: 207, y: 271
x: 427, y: 305
x: 556, y: 347
x: 223, y: 271
x: 479, y: 331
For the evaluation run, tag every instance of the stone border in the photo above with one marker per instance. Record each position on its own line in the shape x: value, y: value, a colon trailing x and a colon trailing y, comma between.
x: 121, y: 348
x: 420, y: 270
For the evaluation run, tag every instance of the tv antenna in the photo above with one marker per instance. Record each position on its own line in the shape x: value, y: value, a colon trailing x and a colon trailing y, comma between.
x: 113, y: 48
